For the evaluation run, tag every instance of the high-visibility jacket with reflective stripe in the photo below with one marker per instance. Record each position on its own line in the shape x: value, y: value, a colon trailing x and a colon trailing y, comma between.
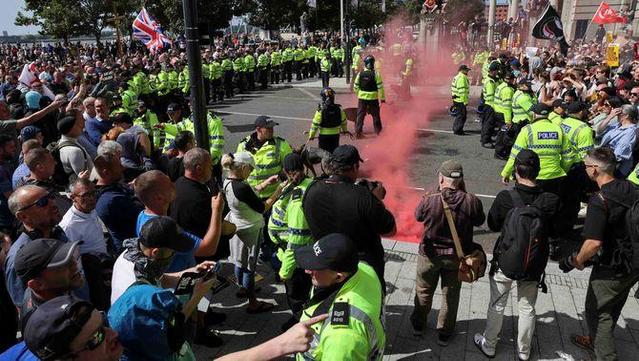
x: 249, y: 63
x: 298, y: 233
x: 277, y: 226
x: 555, y: 118
x: 227, y: 65
x: 581, y: 139
x: 548, y: 141
x: 488, y: 90
x: 215, y: 69
x: 206, y: 70
x: 370, y: 95
x: 325, y: 65
x: 287, y: 54
x: 299, y: 54
x: 276, y: 58
x: 317, y: 125
x: 460, y: 88
x: 129, y: 101
x: 361, y: 336
x: 238, y: 65
x: 522, y: 102
x: 216, y: 137
x: 503, y: 101
x: 148, y: 122
x: 163, y: 84
x: 633, y: 176
x: 174, y: 79
x: 268, y: 162
x: 183, y: 81
x: 262, y: 61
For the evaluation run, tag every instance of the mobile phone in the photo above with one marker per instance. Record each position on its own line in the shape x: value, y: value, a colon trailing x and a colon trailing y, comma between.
x: 209, y: 274
x: 186, y: 283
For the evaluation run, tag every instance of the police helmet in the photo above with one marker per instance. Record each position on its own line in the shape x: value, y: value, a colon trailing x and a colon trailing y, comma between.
x: 327, y: 93
x: 369, y: 62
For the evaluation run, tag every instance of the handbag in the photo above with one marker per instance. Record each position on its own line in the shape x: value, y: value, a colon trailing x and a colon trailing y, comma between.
x: 472, y: 266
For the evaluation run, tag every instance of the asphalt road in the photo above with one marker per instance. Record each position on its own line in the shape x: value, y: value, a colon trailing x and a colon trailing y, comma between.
x: 416, y: 139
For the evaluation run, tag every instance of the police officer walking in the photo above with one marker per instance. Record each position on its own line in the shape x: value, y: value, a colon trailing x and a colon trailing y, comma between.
x: 329, y: 121
x: 460, y: 90
x: 369, y: 88
x: 350, y: 292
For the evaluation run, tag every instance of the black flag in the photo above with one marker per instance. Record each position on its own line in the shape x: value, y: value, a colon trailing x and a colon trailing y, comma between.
x: 549, y: 27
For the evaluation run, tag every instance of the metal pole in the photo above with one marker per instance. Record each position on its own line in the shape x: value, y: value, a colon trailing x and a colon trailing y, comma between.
x: 491, y: 24
x: 195, y: 73
x: 341, y: 20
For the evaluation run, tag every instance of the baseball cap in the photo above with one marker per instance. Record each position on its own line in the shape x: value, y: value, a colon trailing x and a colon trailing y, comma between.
x: 334, y: 251
x: 529, y: 158
x: 50, y: 329
x: 575, y: 107
x: 264, y: 121
x: 41, y: 254
x: 29, y: 132
x: 463, y: 67
x: 123, y: 117
x: 244, y: 157
x: 346, y: 154
x: 540, y: 109
x: 451, y: 169
x: 493, y: 67
x: 559, y: 103
x: 66, y: 124
x: 292, y: 162
x: 163, y: 232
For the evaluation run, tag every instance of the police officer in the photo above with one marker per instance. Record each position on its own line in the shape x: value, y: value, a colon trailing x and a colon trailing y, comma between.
x: 369, y: 88
x: 488, y: 94
x: 287, y: 58
x: 460, y: 90
x: 262, y: 68
x: 276, y: 64
x: 249, y: 68
x: 329, y: 121
x: 353, y: 330
x: 148, y: 120
x: 522, y: 101
x: 289, y: 230
x: 548, y: 141
x: 227, y: 69
x: 325, y: 68
x: 268, y: 153
x: 504, y: 114
x: 240, y: 71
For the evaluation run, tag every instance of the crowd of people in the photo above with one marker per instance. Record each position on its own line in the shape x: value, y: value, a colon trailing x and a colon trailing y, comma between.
x: 115, y: 225
x: 566, y: 127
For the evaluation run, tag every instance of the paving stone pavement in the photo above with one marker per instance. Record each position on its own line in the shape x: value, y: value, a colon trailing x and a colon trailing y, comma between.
x: 559, y: 314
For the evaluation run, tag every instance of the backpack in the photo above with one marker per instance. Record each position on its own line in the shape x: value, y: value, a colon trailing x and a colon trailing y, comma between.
x: 367, y: 81
x: 60, y: 176
x: 626, y: 253
x: 522, y: 249
x: 331, y: 116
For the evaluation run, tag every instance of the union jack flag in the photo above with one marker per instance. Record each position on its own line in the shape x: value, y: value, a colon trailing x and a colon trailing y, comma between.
x: 149, y: 32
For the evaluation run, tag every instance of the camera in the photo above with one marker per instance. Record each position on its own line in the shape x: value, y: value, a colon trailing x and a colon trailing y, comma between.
x: 371, y: 185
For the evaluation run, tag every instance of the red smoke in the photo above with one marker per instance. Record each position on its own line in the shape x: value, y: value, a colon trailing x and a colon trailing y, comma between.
x: 389, y: 157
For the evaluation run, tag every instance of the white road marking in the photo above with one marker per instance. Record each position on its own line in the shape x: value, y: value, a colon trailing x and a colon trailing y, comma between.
x: 311, y: 95
x: 257, y: 115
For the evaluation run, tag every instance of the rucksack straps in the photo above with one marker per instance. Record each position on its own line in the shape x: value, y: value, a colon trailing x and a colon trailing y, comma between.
x: 453, y: 230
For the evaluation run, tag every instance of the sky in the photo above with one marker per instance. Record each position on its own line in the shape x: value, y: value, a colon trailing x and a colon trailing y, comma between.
x: 8, y: 15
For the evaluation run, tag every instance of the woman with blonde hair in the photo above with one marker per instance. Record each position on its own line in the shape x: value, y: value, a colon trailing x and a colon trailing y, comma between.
x: 246, y: 210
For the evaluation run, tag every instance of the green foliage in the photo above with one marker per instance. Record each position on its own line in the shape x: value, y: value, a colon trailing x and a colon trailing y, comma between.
x: 169, y: 13
x: 53, y: 16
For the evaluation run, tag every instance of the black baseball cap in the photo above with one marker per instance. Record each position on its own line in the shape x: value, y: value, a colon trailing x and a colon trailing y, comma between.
x: 335, y: 251
x: 123, y: 117
x: 41, y: 254
x: 264, y: 121
x: 173, y: 107
x: 575, y: 107
x: 346, y: 154
x: 540, y: 109
x: 50, y: 329
x: 528, y: 158
x: 292, y: 162
x: 163, y: 232
x: 463, y: 67
x: 559, y: 103
x: 494, y: 67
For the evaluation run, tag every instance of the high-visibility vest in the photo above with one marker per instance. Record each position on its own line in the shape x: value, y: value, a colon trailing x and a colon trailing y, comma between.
x: 268, y: 161
x: 369, y: 94
x: 460, y: 88
x: 581, y: 140
x: 522, y: 102
x: 488, y: 90
x: 360, y: 298
x: 503, y: 101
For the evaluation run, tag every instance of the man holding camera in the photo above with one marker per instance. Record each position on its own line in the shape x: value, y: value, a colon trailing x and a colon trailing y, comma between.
x: 338, y: 205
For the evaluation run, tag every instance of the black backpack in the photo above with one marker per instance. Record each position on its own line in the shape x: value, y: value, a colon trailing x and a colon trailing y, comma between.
x: 626, y: 253
x: 367, y: 81
x: 521, y: 252
x: 60, y: 177
x: 331, y: 116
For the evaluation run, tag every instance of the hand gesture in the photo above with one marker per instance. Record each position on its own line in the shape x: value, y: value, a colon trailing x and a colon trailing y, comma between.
x: 217, y: 201
x: 505, y: 180
x: 298, y: 338
x: 272, y: 179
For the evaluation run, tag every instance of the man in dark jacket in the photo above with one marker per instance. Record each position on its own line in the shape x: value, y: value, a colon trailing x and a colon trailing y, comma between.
x: 437, y: 258
x: 526, y: 170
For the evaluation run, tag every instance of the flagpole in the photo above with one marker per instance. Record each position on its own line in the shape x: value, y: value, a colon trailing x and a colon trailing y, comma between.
x: 195, y: 73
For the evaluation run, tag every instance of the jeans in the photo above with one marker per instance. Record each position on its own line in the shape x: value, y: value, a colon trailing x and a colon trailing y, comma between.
x: 245, y: 279
x: 429, y: 271
x: 605, y: 298
x: 500, y: 287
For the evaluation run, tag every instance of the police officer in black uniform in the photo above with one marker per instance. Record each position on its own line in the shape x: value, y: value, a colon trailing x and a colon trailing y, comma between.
x: 329, y: 121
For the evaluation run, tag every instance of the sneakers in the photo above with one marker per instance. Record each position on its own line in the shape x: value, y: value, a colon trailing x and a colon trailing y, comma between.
x: 443, y: 340
x: 208, y: 337
x: 479, y: 341
x: 488, y: 145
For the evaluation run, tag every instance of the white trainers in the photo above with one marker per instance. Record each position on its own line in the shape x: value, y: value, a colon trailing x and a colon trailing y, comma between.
x: 523, y: 356
x: 479, y: 342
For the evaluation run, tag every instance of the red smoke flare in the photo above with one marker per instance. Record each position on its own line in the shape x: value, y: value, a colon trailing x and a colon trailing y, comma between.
x: 389, y: 157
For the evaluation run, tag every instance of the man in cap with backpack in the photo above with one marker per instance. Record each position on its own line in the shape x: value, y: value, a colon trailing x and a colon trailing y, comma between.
x: 611, y: 245
x: 520, y: 254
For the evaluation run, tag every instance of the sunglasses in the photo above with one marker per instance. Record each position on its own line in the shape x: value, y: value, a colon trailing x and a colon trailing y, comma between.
x: 40, y: 203
x: 634, y: 94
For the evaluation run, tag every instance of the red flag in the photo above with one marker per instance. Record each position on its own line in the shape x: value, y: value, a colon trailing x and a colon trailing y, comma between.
x: 606, y: 15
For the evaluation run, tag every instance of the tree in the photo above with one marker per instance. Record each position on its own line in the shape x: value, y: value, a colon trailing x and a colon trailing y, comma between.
x: 56, y: 18
x: 169, y: 13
